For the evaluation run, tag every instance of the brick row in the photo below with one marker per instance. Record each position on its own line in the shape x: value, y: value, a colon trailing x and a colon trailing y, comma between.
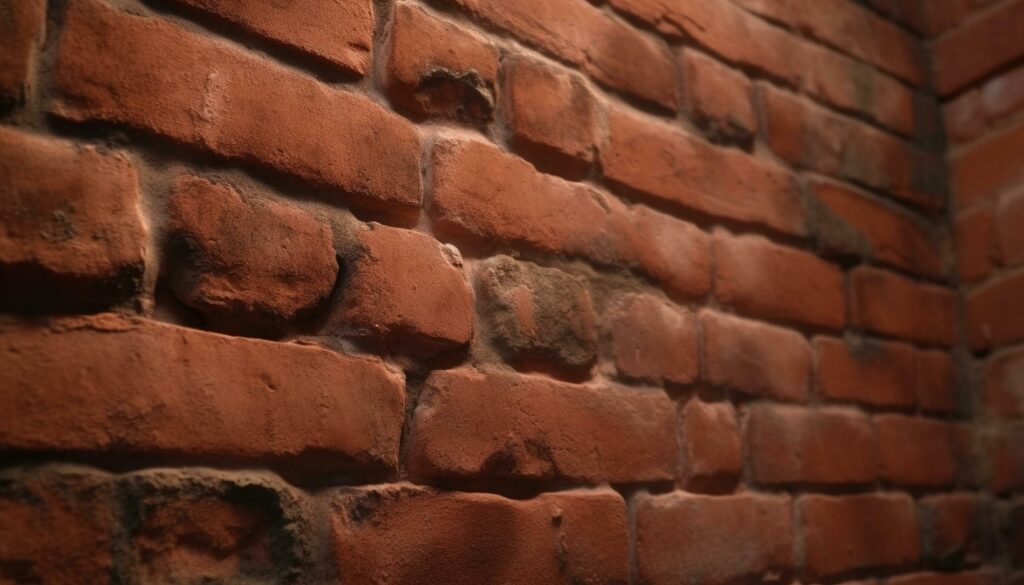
x: 978, y: 48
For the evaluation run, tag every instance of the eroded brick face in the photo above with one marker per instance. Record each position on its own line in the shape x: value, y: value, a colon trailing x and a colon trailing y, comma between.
x: 492, y: 292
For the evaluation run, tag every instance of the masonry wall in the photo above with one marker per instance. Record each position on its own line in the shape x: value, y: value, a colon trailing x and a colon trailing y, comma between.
x: 514, y: 292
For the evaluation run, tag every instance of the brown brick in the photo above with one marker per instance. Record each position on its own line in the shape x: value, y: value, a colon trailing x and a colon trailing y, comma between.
x: 975, y: 244
x: 718, y: 100
x: 653, y: 340
x: 1005, y: 457
x: 766, y: 280
x: 978, y: 48
x: 717, y: 540
x: 983, y: 171
x: 966, y: 578
x: 796, y: 445
x: 234, y: 105
x: 916, y: 452
x: 887, y: 303
x: 876, y: 531
x: 989, y: 323
x: 1009, y: 219
x: 22, y: 25
x: 409, y: 534
x: 952, y: 522
x: 201, y: 396
x: 710, y: 445
x: 539, y: 429
x: 71, y: 221
x: 435, y: 69
x: 756, y: 359
x: 936, y: 384
x: 247, y: 265
x: 406, y: 290
x: 871, y: 372
x: 1004, y: 384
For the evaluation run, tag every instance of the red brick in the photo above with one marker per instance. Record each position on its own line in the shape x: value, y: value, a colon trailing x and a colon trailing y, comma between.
x: 981, y: 110
x: 717, y: 540
x: 345, y: 44
x: 975, y: 244
x: 22, y: 24
x: 876, y: 531
x: 951, y: 521
x: 809, y: 136
x: 472, y: 424
x: 767, y: 280
x: 537, y: 315
x: 235, y: 105
x: 869, y: 372
x: 887, y: 303
x: 988, y: 168
x: 718, y: 100
x: 989, y: 322
x: 59, y: 526
x: 409, y: 534
x: 200, y: 396
x: 755, y: 359
x: 437, y: 69
x: 978, y: 48
x: 936, y: 384
x: 1005, y: 457
x: 854, y: 222
x: 973, y: 578
x: 1010, y: 225
x: 1003, y: 96
x: 916, y: 452
x: 672, y: 166
x: 710, y: 444
x: 653, y: 340
x: 607, y: 49
x: 406, y: 290
x: 1004, y: 384
x: 552, y: 117
x: 965, y: 117
x: 795, y: 445
x: 675, y: 253
x: 71, y: 222
x: 247, y: 264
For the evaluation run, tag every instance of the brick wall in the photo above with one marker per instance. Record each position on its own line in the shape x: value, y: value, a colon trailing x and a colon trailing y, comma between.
x: 516, y: 292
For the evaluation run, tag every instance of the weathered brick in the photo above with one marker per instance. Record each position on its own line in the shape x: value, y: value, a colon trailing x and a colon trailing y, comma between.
x: 194, y: 395
x: 887, y: 303
x: 472, y: 424
x: 1005, y: 457
x: 538, y: 315
x: 235, y: 105
x: 58, y: 526
x: 936, y: 383
x: 710, y: 444
x: 877, y: 531
x: 247, y: 265
x: 989, y: 323
x: 852, y: 222
x: 1003, y: 96
x: 717, y: 540
x: 971, y: 578
x: 718, y: 99
x: 22, y: 25
x: 951, y: 523
x: 437, y: 69
x: 984, y: 109
x: 1004, y: 384
x: 71, y: 220
x: 552, y: 117
x: 675, y: 253
x: 406, y: 290
x: 767, y: 280
x: 983, y: 171
x: 975, y: 244
x: 964, y: 117
x: 409, y: 534
x: 870, y: 372
x: 795, y: 445
x: 653, y: 340
x: 607, y: 49
x: 755, y: 359
x: 345, y: 44
x: 916, y: 452
x: 1009, y: 219
x: 978, y: 48
x: 672, y: 166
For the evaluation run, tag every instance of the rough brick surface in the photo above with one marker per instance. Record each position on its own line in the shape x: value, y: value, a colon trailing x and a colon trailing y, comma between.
x: 719, y: 99
x: 976, y: 251
x: 954, y: 522
x: 890, y: 304
x: 979, y: 47
x: 989, y: 324
x: 1004, y: 384
x: 653, y: 340
x: 21, y: 23
x: 982, y: 172
x: 710, y: 444
x: 876, y: 373
x: 917, y: 452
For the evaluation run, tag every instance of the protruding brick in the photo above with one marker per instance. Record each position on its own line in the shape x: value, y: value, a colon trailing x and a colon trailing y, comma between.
x: 201, y: 396
x: 345, y: 44
x: 766, y: 280
x: 951, y: 522
x: 1009, y: 219
x: 716, y: 540
x: 537, y: 314
x: 235, y: 105
x: 552, y: 117
x: 710, y: 443
x: 989, y: 323
x: 72, y: 234
x: 402, y: 533
x: 975, y: 244
x: 472, y: 424
x: 887, y: 303
x: 1004, y: 384
x: 247, y: 265
x: 718, y: 99
x: 754, y: 358
x: 58, y: 526
x: 796, y: 445
x: 22, y: 25
x: 653, y: 340
x: 406, y: 290
x: 437, y: 69
x: 978, y: 48
x: 674, y: 167
x: 869, y: 372
x: 877, y: 531
x: 916, y: 452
